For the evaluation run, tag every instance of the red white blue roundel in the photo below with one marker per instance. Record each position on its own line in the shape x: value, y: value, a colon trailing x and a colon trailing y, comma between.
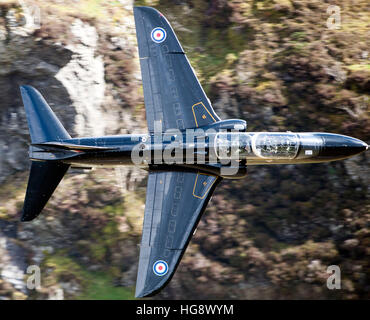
x: 160, y: 268
x: 158, y: 35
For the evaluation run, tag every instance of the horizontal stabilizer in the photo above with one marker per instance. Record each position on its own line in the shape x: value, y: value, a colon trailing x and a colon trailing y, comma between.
x: 70, y: 146
x: 43, y: 180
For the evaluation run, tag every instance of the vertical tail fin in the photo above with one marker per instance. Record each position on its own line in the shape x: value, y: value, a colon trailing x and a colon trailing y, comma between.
x: 44, y: 176
x: 43, y: 124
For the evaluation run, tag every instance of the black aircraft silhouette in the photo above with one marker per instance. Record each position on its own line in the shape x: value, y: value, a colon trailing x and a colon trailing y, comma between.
x: 187, y: 151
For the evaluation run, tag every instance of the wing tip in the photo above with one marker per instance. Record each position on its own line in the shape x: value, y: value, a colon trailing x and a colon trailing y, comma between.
x: 145, y: 293
x: 142, y: 292
x: 145, y: 288
x: 140, y: 295
x: 27, y: 89
x: 28, y: 216
x: 143, y: 9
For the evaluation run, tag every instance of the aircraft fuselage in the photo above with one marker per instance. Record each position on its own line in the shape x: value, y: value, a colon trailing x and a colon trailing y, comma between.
x: 204, y: 150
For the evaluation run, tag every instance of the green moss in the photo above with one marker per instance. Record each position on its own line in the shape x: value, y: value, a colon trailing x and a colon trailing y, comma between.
x: 91, y: 9
x: 298, y: 36
x: 299, y: 46
x: 114, y: 210
x: 3, y: 214
x: 101, y: 287
x: 104, y: 240
x: 12, y: 194
x: 63, y: 267
x: 9, y: 189
x: 150, y: 3
x: 98, y: 251
x: 221, y: 50
x: 278, y: 246
x: 263, y: 5
x: 284, y: 2
x: 266, y: 10
x: 95, y: 285
x: 296, y: 48
x: 62, y: 264
x: 264, y: 85
x: 111, y: 232
x: 220, y: 46
x: 134, y: 209
x: 359, y: 67
x: 358, y: 26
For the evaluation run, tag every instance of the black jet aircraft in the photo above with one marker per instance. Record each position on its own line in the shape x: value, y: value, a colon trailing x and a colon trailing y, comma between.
x: 187, y: 150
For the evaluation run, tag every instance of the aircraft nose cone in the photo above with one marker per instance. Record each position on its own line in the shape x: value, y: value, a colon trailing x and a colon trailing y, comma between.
x: 337, y: 146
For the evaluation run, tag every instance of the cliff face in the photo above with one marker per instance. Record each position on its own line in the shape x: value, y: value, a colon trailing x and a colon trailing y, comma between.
x: 273, y: 63
x: 86, y: 69
x: 85, y: 64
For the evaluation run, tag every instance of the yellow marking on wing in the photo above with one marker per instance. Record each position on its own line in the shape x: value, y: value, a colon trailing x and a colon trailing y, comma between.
x: 204, y: 116
x: 209, y: 188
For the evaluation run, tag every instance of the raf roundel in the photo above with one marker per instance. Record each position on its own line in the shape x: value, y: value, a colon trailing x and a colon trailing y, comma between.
x: 158, y: 35
x: 160, y: 268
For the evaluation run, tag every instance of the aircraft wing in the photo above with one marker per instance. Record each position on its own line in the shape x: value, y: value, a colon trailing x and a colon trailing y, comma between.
x: 172, y: 92
x: 175, y: 201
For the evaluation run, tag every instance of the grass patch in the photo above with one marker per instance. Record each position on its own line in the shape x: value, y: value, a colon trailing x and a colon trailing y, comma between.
x: 134, y: 210
x: 12, y: 187
x: 210, y: 50
x: 114, y: 210
x: 92, y: 9
x: 361, y: 26
x: 95, y: 285
x: 264, y: 85
x: 359, y: 67
x: 101, y: 287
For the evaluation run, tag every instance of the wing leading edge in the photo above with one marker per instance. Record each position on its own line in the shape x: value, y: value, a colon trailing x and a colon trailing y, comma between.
x: 172, y: 93
x: 175, y: 201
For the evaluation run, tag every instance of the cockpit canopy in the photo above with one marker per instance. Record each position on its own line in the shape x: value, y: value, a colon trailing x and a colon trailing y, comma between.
x: 266, y: 145
x: 275, y: 145
x: 233, y: 145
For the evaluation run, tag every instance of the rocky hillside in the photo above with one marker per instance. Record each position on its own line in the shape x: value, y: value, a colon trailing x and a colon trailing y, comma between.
x: 272, y: 62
